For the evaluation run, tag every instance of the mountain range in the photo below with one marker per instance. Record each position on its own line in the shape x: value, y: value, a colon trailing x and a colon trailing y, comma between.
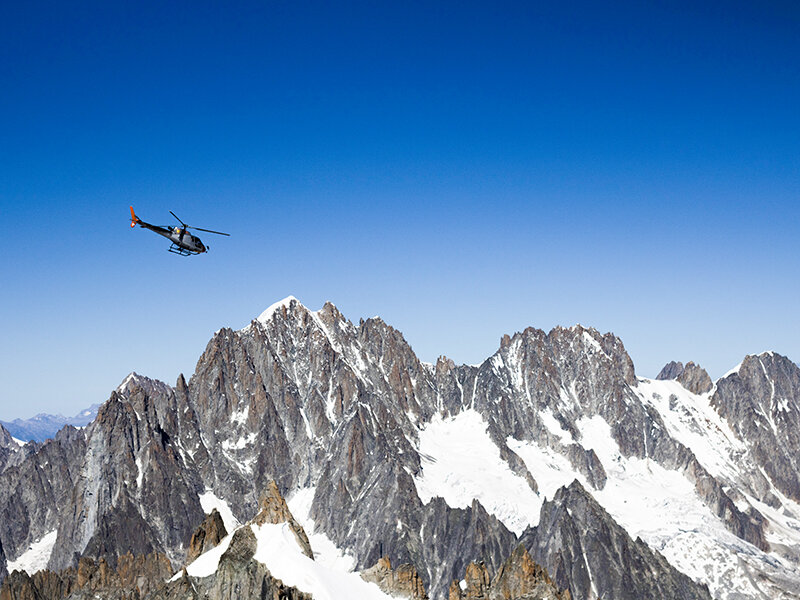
x: 549, y: 469
x: 44, y: 426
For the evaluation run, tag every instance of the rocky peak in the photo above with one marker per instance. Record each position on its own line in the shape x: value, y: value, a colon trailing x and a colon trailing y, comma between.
x: 521, y: 577
x: 670, y: 371
x: 759, y: 400
x: 238, y: 575
x: 283, y: 308
x: 477, y: 580
x: 134, y: 382
x: 208, y: 535
x: 7, y: 447
x: 273, y: 509
x: 695, y: 379
x: 691, y: 376
x: 6, y: 439
x: 573, y: 527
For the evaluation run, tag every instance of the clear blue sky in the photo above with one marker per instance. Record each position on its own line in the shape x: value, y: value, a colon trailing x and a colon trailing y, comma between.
x: 462, y: 169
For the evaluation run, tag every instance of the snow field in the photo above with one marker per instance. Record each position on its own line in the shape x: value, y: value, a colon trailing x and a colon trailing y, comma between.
x: 209, y: 502
x: 461, y: 463
x: 278, y: 550
x: 36, y: 557
x: 325, y: 551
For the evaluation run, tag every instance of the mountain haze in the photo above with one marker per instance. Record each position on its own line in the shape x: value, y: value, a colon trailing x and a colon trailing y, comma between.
x: 44, y: 426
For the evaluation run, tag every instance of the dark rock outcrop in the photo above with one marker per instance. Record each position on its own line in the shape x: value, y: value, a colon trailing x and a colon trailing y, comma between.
x: 693, y: 377
x: 672, y: 370
x: 208, y: 535
x: 585, y: 551
x: 3, y: 570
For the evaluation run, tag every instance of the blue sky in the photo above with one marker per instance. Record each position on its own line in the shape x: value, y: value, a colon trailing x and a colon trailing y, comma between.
x: 463, y: 170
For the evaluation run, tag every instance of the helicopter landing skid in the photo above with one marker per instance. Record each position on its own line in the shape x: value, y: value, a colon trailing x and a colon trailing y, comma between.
x: 175, y: 249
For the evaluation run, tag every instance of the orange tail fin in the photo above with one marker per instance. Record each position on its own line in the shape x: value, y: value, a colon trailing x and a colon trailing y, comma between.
x: 134, y: 218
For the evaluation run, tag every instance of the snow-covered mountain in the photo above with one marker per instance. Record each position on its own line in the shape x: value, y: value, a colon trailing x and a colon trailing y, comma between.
x: 619, y: 486
x: 44, y: 426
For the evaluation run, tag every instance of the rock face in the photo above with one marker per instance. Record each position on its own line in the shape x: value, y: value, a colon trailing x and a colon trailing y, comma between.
x: 589, y: 554
x: 519, y: 578
x: 208, y: 535
x: 760, y: 402
x: 306, y: 402
x: 402, y: 582
x: 693, y: 377
x: 36, y: 490
x: 134, y: 491
x: 671, y: 370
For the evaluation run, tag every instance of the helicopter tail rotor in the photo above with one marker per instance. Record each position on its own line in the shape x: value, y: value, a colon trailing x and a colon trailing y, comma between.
x: 134, y: 218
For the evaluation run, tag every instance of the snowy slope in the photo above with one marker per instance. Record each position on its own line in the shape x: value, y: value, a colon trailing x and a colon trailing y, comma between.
x: 329, y: 576
x: 279, y: 551
x: 325, y: 551
x: 209, y: 501
x: 460, y: 462
x: 36, y: 556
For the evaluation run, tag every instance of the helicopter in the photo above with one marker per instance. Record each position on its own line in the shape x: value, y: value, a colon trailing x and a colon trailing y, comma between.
x: 183, y: 242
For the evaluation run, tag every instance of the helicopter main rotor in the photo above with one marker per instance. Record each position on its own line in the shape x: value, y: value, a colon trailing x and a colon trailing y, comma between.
x: 185, y: 226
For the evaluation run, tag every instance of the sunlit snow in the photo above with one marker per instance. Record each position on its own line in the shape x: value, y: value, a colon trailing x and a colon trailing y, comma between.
x: 267, y: 314
x: 279, y: 552
x: 241, y: 443
x: 206, y: 564
x: 140, y: 471
x: 209, y: 502
x: 325, y: 551
x: 692, y: 421
x: 461, y: 463
x: 554, y: 427
x: 36, y: 557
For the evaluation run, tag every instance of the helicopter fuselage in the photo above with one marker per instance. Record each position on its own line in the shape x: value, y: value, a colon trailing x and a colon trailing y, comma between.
x: 178, y: 236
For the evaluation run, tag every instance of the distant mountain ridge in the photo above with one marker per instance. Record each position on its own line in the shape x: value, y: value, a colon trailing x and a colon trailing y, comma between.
x: 45, y: 426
